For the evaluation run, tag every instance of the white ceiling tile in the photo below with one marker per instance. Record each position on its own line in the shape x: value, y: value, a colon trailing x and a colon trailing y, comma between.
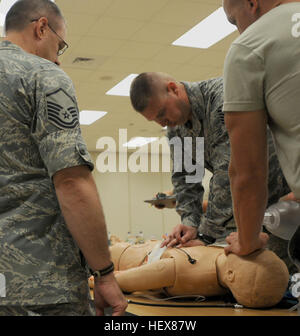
x: 115, y: 28
x: 93, y: 45
x: 159, y: 33
x: 79, y: 24
x: 135, y: 9
x: 140, y: 50
x: 84, y: 6
x: 190, y: 14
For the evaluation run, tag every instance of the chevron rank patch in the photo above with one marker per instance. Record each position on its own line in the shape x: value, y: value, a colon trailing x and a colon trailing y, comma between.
x: 62, y: 110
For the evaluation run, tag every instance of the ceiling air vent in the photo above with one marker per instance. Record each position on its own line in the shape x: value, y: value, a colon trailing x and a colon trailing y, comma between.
x: 83, y: 60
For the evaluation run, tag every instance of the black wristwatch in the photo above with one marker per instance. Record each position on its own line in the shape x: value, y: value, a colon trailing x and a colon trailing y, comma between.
x: 105, y: 271
x: 206, y: 239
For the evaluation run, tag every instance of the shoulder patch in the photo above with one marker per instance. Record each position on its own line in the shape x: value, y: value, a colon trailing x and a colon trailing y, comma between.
x: 62, y: 110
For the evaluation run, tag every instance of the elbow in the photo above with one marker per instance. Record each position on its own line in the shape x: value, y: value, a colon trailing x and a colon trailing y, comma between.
x: 70, y: 192
x: 244, y: 179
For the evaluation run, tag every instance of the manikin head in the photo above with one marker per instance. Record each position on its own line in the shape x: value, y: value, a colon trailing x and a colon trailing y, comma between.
x: 257, y: 280
x: 160, y: 98
x: 243, y: 13
x: 38, y: 27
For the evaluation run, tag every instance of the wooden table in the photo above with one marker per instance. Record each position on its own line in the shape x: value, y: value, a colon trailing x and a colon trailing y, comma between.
x: 179, y: 310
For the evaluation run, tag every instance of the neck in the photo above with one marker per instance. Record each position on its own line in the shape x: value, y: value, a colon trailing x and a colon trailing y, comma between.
x: 186, y: 99
x: 221, y: 266
x: 21, y: 40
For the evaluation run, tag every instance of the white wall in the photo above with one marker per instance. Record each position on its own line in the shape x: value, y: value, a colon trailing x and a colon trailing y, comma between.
x: 123, y: 194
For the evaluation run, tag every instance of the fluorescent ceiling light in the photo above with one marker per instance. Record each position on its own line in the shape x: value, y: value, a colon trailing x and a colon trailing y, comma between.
x: 4, y: 8
x: 208, y: 32
x: 139, y: 142
x: 123, y: 88
x: 88, y: 117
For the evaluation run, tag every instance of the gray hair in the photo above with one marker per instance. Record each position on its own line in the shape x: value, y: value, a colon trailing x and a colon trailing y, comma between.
x: 23, y: 11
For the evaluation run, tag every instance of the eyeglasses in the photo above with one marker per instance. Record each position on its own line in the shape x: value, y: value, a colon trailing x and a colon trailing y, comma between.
x: 64, y: 46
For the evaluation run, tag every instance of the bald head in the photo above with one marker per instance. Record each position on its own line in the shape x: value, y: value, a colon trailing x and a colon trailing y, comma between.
x: 243, y: 13
x: 146, y: 86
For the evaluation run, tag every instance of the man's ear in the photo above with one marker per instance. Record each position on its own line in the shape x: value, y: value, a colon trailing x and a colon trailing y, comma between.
x: 40, y: 27
x: 254, y: 6
x: 172, y: 87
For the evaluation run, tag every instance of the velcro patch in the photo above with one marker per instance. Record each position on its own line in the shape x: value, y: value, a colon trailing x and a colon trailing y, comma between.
x: 62, y: 110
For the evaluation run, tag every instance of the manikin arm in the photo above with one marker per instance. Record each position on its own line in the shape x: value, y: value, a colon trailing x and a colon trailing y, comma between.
x: 159, y: 274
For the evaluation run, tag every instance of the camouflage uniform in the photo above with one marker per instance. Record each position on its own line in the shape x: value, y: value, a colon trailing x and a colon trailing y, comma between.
x: 40, y: 135
x: 206, y: 99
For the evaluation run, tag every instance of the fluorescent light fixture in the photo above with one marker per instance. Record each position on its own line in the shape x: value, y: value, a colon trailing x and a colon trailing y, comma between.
x: 123, y: 88
x: 139, y: 142
x: 88, y: 117
x: 208, y: 32
x: 4, y: 8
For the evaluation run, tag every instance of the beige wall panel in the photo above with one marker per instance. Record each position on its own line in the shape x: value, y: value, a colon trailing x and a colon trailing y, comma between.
x: 113, y: 190
x: 123, y: 195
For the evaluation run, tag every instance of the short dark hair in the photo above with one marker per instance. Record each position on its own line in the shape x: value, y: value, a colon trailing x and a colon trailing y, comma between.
x: 141, y: 91
x: 20, y: 14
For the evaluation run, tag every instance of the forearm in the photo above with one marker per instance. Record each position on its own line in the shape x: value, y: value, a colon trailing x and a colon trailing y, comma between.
x: 248, y: 173
x: 82, y: 211
x: 249, y: 194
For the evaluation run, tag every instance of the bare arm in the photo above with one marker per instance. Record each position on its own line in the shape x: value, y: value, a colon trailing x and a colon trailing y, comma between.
x: 82, y: 210
x: 248, y: 172
x: 81, y: 207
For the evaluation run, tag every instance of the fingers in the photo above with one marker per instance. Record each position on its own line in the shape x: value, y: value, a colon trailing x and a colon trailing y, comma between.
x: 227, y: 249
x: 178, y: 235
x: 120, y: 310
x: 190, y: 243
x: 232, y: 240
x: 172, y: 239
x: 190, y: 234
x: 173, y: 242
x: 99, y: 312
x: 234, y: 245
x: 181, y: 234
x: 164, y: 243
x: 169, y: 242
x: 159, y: 206
x: 107, y: 293
x: 264, y: 237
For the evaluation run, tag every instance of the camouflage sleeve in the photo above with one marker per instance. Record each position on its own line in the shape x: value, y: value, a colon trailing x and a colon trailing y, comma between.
x: 189, y: 196
x: 55, y: 126
x: 219, y: 211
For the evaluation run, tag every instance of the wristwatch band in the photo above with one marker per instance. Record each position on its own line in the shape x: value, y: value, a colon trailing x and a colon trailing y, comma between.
x: 104, y: 271
x: 206, y: 239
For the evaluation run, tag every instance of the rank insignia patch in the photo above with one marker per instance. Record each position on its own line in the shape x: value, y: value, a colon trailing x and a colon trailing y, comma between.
x: 62, y: 110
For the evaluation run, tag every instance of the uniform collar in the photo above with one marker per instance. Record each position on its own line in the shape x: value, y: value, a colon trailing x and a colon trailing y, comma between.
x: 196, y: 100
x: 9, y: 45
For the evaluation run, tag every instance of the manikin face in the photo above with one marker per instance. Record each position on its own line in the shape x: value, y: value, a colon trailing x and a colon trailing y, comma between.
x: 168, y: 110
x: 240, y: 13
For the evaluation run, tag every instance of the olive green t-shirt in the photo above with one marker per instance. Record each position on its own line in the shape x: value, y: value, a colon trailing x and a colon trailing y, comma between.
x: 262, y: 71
